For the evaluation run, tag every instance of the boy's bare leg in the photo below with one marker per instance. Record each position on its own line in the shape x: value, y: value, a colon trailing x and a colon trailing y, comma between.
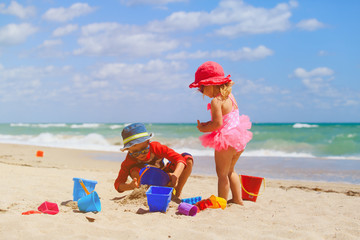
x: 184, y: 176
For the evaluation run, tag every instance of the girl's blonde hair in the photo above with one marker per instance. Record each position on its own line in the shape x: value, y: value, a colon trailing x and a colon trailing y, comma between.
x: 225, y: 90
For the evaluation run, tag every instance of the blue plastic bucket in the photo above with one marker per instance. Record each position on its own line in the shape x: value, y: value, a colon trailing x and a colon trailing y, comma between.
x: 78, y: 191
x: 90, y: 203
x: 153, y: 176
x: 158, y: 198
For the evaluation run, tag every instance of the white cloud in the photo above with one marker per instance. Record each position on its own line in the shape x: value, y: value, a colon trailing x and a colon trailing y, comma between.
x: 16, y: 33
x: 50, y: 49
x: 24, y: 73
x: 317, y: 72
x: 310, y: 24
x: 50, y: 43
x: 241, y: 54
x: 324, y: 95
x: 87, y: 82
x: 62, y: 31
x: 120, y: 80
x: 323, y: 53
x: 18, y: 10
x: 258, y: 87
x: 67, y: 68
x: 350, y: 102
x: 179, y: 21
x: 238, y: 17
x: 66, y: 14
x: 246, y: 19
x: 314, y: 84
x: 317, y: 80
x: 152, y: 73
x: 150, y: 2
x: 95, y: 28
x: 115, y: 39
x: 29, y: 83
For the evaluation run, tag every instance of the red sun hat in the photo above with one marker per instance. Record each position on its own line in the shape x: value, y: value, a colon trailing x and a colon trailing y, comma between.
x: 209, y: 73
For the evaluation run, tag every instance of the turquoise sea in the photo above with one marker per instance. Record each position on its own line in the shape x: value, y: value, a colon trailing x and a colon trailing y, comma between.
x: 329, y: 149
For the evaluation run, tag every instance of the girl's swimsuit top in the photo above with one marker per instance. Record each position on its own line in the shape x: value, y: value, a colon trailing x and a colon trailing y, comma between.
x: 231, y: 119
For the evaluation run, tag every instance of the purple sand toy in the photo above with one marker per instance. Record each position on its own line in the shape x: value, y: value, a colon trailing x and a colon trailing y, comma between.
x: 187, y: 209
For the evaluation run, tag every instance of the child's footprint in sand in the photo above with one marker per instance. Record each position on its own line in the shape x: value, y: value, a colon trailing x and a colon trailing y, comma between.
x: 70, y: 204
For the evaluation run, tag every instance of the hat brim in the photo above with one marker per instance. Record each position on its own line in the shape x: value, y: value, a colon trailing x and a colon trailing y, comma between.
x: 136, y: 141
x: 211, y: 81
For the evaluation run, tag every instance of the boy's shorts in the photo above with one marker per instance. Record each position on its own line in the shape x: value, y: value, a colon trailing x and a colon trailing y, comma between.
x: 169, y: 167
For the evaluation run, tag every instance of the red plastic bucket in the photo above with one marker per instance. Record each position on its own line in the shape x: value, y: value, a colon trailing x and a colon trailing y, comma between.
x: 250, y: 187
x: 39, y: 153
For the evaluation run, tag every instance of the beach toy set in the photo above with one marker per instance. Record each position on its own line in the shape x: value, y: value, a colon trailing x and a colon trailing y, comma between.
x: 191, y: 206
x: 250, y: 187
x: 204, y: 204
x: 187, y: 209
x: 212, y: 202
x: 83, y: 192
x: 82, y: 187
x: 192, y: 200
x: 218, y: 202
x: 49, y: 208
x: 158, y: 198
x: 153, y: 176
x: 45, y: 207
x: 39, y: 153
x: 158, y: 195
x: 90, y: 203
x: 87, y: 199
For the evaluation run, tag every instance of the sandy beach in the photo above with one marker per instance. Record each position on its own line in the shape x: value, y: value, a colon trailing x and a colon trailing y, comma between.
x: 284, y: 210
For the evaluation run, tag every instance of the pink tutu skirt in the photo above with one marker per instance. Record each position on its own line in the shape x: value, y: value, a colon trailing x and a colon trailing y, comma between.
x: 224, y: 137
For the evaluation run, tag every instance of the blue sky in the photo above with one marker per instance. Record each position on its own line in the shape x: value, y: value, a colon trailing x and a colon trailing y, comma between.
x: 132, y: 60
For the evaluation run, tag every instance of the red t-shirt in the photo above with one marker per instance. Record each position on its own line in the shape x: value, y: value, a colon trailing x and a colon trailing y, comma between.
x: 160, y: 152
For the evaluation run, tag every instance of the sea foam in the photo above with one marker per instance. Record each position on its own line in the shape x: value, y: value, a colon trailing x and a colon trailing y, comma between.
x: 304, y: 125
x: 92, y: 141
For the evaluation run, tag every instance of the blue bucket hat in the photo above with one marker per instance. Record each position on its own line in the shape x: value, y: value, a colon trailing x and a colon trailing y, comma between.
x: 134, y: 134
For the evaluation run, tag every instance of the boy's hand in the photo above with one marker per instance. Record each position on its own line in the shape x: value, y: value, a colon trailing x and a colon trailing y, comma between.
x: 173, y: 180
x: 134, y: 183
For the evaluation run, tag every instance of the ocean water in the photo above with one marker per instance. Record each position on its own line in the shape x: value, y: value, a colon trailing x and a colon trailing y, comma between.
x: 300, y: 151
x: 325, y: 140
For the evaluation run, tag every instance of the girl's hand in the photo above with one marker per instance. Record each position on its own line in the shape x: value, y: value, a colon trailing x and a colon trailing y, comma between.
x: 201, y: 125
x: 134, y: 183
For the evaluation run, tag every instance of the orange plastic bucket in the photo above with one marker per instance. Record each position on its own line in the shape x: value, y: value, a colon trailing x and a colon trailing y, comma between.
x: 250, y: 187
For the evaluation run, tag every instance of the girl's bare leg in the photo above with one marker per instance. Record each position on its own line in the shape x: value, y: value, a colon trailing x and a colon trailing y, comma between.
x: 223, y: 162
x: 234, y: 179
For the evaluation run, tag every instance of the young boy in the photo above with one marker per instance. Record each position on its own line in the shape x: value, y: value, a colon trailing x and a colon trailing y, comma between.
x: 142, y: 152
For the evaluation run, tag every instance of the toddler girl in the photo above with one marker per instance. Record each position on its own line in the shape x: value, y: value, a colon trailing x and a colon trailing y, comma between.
x: 229, y: 131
